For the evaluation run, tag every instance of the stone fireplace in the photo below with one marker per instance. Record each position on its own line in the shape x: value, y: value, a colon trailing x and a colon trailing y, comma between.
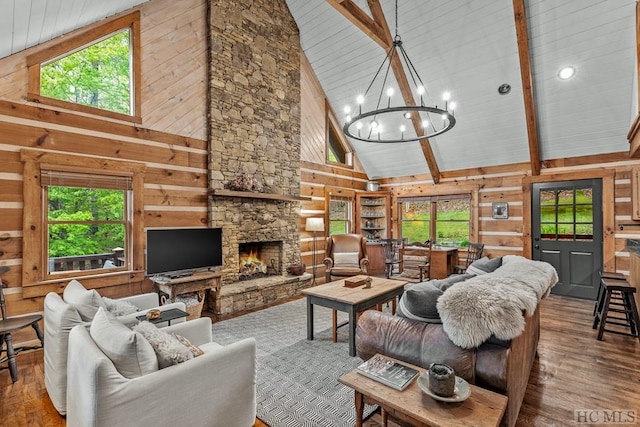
x: 254, y: 120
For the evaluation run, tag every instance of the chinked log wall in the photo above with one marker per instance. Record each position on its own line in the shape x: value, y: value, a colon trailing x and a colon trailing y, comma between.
x: 170, y: 141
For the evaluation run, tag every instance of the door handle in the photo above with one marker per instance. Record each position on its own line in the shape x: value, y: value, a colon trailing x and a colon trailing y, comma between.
x: 537, y: 246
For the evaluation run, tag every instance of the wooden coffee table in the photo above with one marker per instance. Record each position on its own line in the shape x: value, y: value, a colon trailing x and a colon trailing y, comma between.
x: 350, y: 300
x: 483, y: 408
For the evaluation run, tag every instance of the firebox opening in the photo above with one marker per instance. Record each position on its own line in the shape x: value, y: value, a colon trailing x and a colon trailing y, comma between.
x: 258, y: 259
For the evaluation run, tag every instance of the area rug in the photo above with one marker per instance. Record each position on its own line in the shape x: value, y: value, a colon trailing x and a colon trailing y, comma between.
x: 297, y: 380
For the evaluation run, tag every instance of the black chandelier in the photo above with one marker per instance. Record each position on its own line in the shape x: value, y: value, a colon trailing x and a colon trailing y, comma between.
x: 387, y: 123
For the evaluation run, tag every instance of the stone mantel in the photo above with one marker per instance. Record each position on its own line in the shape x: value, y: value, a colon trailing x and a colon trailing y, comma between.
x: 252, y: 195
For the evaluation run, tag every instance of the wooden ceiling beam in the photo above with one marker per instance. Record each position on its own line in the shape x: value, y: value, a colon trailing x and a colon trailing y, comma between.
x: 519, y: 12
x: 378, y: 29
x: 405, y: 89
x: 360, y: 19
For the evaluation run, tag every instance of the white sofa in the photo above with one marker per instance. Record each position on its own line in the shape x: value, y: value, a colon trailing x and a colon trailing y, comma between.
x: 59, y: 318
x: 215, y: 389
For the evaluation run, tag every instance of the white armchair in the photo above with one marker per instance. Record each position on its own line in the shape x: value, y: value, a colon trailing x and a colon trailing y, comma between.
x: 59, y: 318
x: 217, y: 388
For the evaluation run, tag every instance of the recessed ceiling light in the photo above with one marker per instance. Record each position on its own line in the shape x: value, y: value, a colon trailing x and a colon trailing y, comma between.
x: 504, y: 89
x: 566, y: 73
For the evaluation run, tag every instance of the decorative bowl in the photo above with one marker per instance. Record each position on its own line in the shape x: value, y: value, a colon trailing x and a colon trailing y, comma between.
x: 153, y: 314
x: 296, y: 269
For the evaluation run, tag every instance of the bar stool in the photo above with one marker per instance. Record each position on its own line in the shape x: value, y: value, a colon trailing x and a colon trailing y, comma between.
x: 600, y: 298
x: 616, y: 297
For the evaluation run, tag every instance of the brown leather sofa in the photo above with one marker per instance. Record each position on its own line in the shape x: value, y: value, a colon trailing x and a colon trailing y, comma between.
x: 345, y: 244
x: 501, y: 366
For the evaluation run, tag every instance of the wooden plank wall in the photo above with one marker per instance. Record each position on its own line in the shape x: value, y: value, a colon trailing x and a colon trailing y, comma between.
x: 508, y: 236
x: 315, y: 174
x: 171, y: 141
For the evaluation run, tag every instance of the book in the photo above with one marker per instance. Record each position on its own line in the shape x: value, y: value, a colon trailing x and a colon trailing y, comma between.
x: 388, y: 372
x: 356, y: 281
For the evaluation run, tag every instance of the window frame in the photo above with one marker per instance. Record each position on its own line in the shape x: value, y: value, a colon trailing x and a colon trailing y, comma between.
x: 332, y: 124
x: 35, y: 231
x: 472, y: 195
x: 51, y: 176
x: 341, y: 194
x: 77, y: 42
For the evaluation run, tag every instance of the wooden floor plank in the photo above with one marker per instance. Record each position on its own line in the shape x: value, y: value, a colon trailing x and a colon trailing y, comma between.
x: 573, y: 371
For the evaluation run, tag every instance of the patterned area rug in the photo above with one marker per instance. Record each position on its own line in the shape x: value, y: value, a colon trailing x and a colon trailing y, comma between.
x: 297, y: 380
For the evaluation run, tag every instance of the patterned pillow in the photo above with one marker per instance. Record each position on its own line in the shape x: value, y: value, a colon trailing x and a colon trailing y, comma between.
x: 197, y: 351
x: 169, y: 350
x: 346, y: 259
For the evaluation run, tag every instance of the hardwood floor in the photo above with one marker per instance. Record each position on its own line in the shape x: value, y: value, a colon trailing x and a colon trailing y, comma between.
x: 573, y: 371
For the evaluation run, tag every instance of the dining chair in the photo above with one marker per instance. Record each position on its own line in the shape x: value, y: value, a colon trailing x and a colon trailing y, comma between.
x: 474, y: 252
x: 8, y: 325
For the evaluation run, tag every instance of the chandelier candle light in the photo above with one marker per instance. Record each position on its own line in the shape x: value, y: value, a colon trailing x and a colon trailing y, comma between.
x: 398, y: 123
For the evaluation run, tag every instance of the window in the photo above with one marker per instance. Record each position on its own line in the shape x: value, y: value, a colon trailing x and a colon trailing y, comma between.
x: 86, y: 220
x: 98, y: 75
x: 81, y: 221
x: 339, y: 209
x: 338, y: 149
x: 442, y: 219
x: 566, y: 214
x: 340, y: 215
x: 96, y: 72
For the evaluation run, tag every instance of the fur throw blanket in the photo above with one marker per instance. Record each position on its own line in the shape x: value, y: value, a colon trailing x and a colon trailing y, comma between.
x: 493, y: 304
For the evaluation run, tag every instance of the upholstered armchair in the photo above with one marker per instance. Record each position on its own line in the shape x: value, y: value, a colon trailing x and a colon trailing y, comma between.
x: 76, y: 307
x: 346, y: 256
x: 215, y: 389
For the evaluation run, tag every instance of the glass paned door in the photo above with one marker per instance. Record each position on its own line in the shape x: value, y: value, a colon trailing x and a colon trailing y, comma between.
x: 567, y: 233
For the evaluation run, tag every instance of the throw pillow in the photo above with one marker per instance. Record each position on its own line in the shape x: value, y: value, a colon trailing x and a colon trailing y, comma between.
x: 87, y: 302
x: 444, y: 284
x: 119, y: 307
x: 346, y: 259
x: 197, y: 351
x: 419, y: 303
x: 484, y: 265
x: 130, y: 352
x: 167, y: 347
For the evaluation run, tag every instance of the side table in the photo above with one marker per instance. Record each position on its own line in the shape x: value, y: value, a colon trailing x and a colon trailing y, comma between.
x: 483, y: 408
x: 165, y: 316
x: 195, y: 283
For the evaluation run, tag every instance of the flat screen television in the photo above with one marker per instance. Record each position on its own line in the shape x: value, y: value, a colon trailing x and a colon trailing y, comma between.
x: 182, y: 251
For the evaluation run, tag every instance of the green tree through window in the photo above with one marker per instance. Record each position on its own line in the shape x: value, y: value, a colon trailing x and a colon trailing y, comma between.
x: 442, y: 219
x: 98, y: 75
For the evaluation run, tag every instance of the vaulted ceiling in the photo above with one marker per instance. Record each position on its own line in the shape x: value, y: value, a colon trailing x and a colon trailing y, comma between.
x: 468, y: 48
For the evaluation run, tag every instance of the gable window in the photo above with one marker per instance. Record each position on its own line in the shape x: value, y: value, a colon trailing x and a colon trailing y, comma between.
x: 82, y: 219
x: 95, y: 72
x: 442, y: 219
x: 98, y: 75
x: 338, y: 149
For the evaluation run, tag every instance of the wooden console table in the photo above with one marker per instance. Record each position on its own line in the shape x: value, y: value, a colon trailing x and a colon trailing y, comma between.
x: 197, y: 282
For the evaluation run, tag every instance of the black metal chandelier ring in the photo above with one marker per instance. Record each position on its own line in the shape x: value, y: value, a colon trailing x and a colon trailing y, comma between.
x: 448, y: 118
